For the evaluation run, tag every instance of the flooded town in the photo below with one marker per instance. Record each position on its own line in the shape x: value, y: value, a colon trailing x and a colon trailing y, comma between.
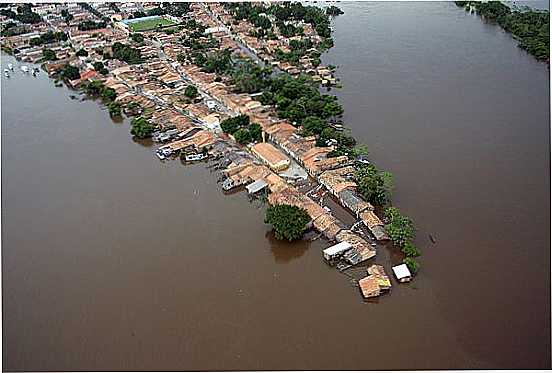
x: 233, y: 128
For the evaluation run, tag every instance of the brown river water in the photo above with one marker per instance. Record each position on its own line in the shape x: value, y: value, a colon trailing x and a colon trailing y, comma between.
x: 112, y: 260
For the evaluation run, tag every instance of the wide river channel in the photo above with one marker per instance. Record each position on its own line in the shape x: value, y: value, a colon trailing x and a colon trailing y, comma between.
x: 112, y: 260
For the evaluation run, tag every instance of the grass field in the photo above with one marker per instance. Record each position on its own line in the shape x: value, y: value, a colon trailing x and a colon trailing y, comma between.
x: 149, y: 24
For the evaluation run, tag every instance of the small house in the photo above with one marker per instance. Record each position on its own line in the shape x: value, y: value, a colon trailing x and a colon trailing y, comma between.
x: 402, y: 273
x: 334, y: 251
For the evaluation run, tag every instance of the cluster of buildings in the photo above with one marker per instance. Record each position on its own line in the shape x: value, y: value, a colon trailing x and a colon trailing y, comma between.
x: 266, y: 48
x: 156, y: 89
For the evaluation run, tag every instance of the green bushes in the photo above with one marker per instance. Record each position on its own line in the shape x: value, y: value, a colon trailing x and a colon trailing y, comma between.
x: 81, y: 53
x: 141, y: 128
x: 191, y: 92
x: 289, y: 222
x: 69, y: 72
x: 49, y: 55
x: 126, y: 53
x: 374, y: 185
x: 114, y: 109
x: 243, y: 131
x: 401, y: 231
x: 91, y: 25
x: 48, y: 37
x: 99, y: 67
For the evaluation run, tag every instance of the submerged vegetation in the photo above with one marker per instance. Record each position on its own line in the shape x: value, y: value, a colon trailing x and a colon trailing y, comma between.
x: 289, y: 222
x: 401, y: 231
x: 141, y: 128
x: 530, y: 27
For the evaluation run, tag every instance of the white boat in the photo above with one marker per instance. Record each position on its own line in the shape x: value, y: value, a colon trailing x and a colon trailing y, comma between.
x: 25, y: 69
x: 6, y: 70
x: 194, y: 157
x: 7, y: 75
x: 10, y: 66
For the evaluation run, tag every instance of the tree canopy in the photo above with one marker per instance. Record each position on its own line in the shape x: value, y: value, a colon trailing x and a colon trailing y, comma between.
x: 530, y: 27
x: 48, y: 54
x: 374, y: 185
x: 70, y: 72
x: 289, y: 222
x: 141, y: 128
x: 191, y: 91
x: 126, y: 53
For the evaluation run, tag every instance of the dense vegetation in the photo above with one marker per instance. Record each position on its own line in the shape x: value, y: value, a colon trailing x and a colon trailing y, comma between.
x: 24, y: 14
x: 126, y: 53
x: 141, y: 128
x: 242, y: 129
x: 81, y: 53
x: 248, y: 77
x: 108, y: 95
x: 66, y: 15
x: 69, y: 72
x: 285, y: 12
x: 374, y: 185
x: 289, y: 222
x: 529, y: 27
x: 12, y: 29
x: 48, y: 55
x: 91, y: 25
x: 191, y: 92
x: 219, y: 62
x: 137, y: 38
x: 401, y: 231
x: 99, y: 67
x: 49, y: 37
x: 333, y: 11
x: 298, y: 98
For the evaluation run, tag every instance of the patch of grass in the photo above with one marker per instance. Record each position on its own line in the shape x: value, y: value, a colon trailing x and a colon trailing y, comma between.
x: 149, y: 24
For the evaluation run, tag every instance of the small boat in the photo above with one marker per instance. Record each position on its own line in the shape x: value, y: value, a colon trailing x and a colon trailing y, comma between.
x: 10, y: 66
x: 6, y: 70
x: 6, y: 74
x: 25, y: 69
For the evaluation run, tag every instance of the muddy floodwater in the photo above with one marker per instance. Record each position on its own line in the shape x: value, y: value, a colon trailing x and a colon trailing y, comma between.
x: 113, y: 260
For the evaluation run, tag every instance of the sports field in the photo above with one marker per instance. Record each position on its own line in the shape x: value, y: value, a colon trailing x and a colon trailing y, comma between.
x: 149, y: 24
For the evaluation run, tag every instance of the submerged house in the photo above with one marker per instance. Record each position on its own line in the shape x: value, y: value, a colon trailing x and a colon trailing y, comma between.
x: 375, y: 283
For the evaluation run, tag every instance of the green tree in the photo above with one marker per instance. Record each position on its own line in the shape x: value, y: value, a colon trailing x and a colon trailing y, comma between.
x: 333, y: 11
x: 231, y: 125
x: 70, y: 72
x: 191, y: 92
x: 114, y: 109
x: 181, y: 58
x: 313, y: 126
x: 289, y: 222
x: 141, y: 128
x: 374, y: 185
x: 256, y: 132
x: 82, y: 53
x: 410, y: 250
x: 412, y: 265
x: 242, y: 136
x: 99, y: 67
x: 49, y: 55
x: 108, y: 94
x: 137, y: 38
x: 399, y: 228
